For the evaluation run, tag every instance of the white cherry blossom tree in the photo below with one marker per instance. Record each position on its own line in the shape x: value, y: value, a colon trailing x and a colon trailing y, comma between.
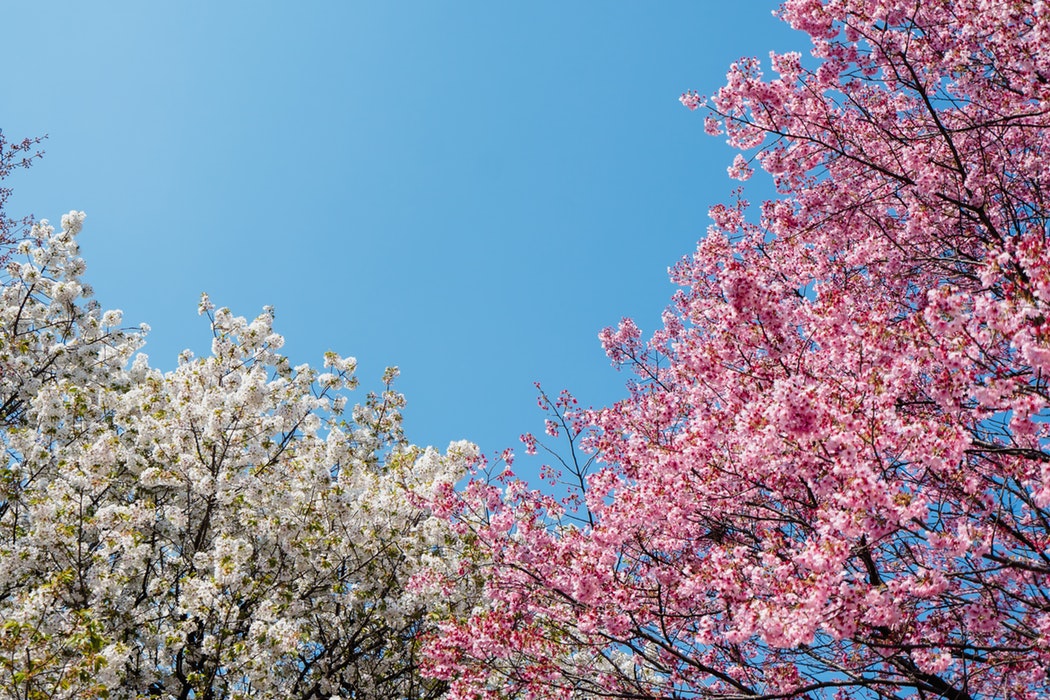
x: 230, y: 529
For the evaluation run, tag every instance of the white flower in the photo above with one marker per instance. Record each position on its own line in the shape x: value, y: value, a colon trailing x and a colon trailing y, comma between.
x: 72, y: 222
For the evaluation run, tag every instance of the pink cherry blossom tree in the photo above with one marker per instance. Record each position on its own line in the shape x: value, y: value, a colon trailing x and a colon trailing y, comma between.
x: 831, y: 477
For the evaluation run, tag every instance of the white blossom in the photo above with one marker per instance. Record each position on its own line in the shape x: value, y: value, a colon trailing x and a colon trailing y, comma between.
x: 218, y: 530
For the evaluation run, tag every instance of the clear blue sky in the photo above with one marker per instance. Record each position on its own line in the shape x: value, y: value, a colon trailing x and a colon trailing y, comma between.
x: 469, y: 190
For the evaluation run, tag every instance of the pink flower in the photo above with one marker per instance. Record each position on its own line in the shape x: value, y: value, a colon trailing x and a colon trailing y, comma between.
x: 691, y: 100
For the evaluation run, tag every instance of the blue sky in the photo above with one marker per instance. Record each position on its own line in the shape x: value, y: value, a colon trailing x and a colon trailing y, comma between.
x: 469, y: 190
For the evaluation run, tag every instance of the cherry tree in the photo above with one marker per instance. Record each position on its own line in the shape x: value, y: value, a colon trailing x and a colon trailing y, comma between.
x: 831, y: 476
x: 229, y: 529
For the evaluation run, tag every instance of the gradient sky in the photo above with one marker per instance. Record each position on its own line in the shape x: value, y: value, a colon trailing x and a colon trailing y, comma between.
x: 469, y: 190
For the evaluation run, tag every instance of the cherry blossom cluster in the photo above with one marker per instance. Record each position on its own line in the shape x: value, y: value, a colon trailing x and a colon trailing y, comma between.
x: 223, y: 530
x: 831, y: 476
